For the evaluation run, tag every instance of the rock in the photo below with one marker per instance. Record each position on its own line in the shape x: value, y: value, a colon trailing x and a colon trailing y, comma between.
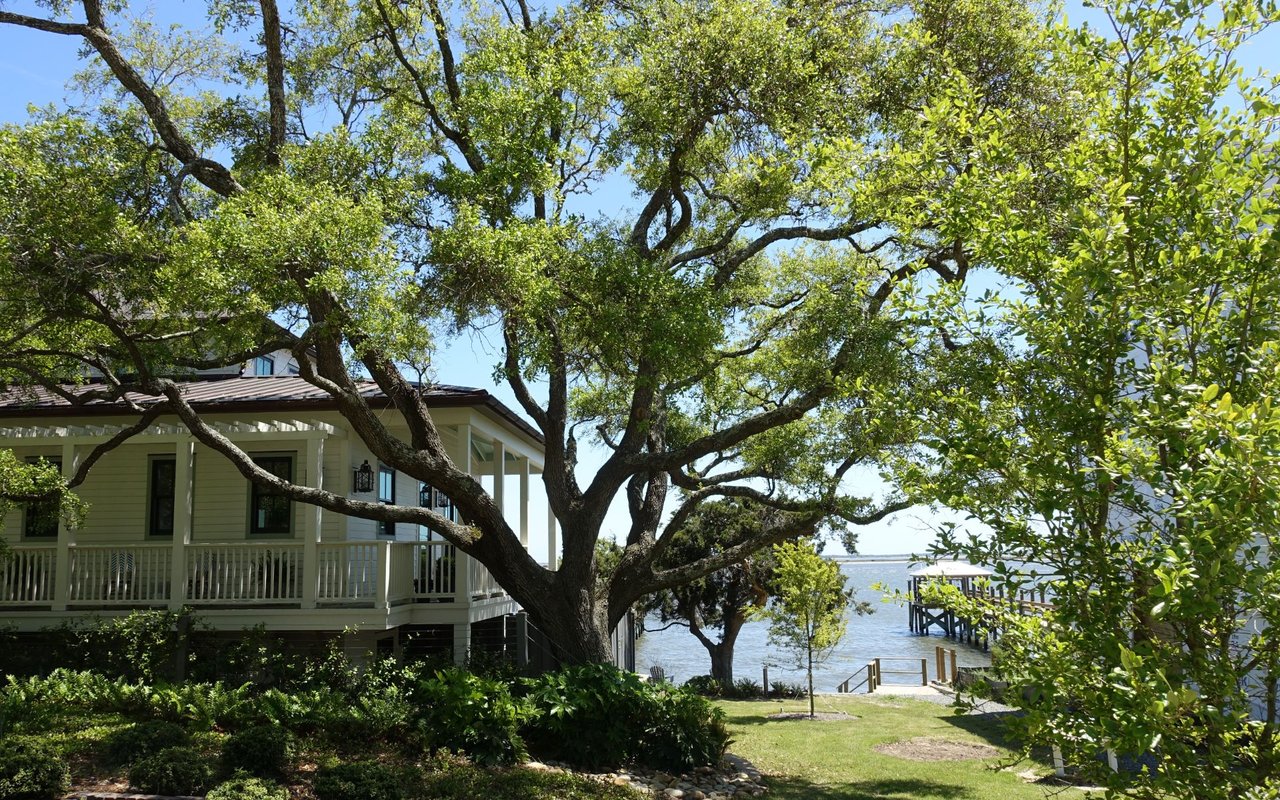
x: 673, y: 794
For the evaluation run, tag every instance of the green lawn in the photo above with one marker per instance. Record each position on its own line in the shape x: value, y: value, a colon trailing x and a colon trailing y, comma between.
x: 835, y: 759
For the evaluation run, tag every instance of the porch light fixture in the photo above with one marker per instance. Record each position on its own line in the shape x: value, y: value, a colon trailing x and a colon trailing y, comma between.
x: 424, y: 496
x: 363, y: 481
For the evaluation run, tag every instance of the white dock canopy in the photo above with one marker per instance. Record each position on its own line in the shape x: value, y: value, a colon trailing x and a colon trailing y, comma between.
x: 952, y: 569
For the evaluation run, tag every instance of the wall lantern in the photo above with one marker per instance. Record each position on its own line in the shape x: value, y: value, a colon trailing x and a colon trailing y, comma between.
x: 424, y: 496
x: 363, y: 481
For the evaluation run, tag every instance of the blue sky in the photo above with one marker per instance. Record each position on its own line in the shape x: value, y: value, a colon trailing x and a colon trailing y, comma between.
x: 35, y: 68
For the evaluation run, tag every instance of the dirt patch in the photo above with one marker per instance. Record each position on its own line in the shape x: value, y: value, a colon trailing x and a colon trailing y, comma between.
x: 926, y: 749
x: 821, y: 715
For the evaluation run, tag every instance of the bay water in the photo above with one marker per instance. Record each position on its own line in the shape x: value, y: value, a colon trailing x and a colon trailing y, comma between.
x: 881, y: 634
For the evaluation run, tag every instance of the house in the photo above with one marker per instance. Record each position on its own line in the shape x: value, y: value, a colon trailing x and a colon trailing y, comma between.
x: 173, y: 524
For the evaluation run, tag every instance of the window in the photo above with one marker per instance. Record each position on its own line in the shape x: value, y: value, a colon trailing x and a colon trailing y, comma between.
x: 160, y: 497
x: 438, y: 502
x: 264, y: 365
x: 41, y: 517
x: 292, y: 368
x: 269, y: 510
x: 386, y: 496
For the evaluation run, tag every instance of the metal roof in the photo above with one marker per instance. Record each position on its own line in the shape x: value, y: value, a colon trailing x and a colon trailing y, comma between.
x: 246, y: 394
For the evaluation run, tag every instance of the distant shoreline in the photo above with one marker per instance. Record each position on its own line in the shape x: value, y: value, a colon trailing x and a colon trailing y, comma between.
x: 899, y: 558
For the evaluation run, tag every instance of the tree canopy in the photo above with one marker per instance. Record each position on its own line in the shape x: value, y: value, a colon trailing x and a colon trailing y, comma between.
x: 809, y: 612
x: 722, y: 600
x: 688, y: 222
x: 1117, y: 428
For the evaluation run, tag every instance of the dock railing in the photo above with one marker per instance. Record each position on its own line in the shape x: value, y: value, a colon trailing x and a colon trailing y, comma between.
x: 923, y: 672
x: 868, y: 680
x: 940, y: 655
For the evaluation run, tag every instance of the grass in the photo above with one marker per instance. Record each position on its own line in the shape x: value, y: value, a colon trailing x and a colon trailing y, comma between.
x: 836, y: 759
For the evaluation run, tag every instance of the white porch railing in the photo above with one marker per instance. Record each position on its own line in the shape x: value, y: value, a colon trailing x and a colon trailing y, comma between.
x: 117, y: 574
x: 347, y: 571
x: 362, y: 573
x: 256, y: 572
x: 482, y: 582
x: 26, y: 574
x: 435, y: 574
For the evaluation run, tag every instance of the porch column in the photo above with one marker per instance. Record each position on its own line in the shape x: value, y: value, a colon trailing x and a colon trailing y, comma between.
x: 461, y: 642
x: 500, y: 476
x: 522, y: 469
x: 461, y: 457
x: 184, y: 454
x: 553, y: 547
x: 311, y: 521
x: 382, y: 588
x: 66, y: 539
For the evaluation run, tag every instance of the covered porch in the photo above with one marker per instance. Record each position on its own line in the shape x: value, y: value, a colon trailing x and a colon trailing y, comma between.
x: 326, y: 561
x: 357, y: 574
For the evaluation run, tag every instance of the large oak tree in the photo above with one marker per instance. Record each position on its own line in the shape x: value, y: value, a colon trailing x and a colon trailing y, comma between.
x: 688, y: 223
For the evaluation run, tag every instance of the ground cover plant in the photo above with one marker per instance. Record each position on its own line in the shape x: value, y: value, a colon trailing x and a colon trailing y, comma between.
x: 369, y: 730
x: 32, y: 771
x: 83, y: 719
x: 242, y: 786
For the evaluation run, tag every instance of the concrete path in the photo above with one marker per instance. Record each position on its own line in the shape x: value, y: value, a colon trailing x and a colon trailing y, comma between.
x: 932, y: 692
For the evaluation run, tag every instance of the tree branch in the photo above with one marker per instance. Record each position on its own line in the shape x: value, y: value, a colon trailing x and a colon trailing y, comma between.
x: 463, y: 536
x: 275, y: 79
x: 47, y: 25
x: 212, y: 174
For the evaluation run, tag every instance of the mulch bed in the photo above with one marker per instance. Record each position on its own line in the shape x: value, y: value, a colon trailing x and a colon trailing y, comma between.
x: 927, y: 749
x: 821, y: 715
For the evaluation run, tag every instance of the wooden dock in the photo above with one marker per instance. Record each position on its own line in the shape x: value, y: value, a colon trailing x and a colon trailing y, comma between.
x: 922, y: 617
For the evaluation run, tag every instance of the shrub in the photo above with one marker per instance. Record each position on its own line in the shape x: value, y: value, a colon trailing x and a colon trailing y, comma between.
x: 140, y: 740
x: 587, y: 715
x: 705, y: 685
x: 30, y: 771
x: 462, y: 711
x: 747, y: 689
x: 361, y: 780
x: 789, y: 690
x: 685, y: 731
x: 260, y: 751
x: 174, y: 770
x: 243, y: 786
x: 141, y: 646
x: 598, y: 716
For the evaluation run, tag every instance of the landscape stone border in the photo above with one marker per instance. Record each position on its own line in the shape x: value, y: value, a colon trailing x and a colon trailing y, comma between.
x: 735, y: 777
x: 128, y: 796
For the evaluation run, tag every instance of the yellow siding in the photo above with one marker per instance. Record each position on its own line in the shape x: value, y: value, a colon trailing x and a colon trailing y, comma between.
x: 116, y: 491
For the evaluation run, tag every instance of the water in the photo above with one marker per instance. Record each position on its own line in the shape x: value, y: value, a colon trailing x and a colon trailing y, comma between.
x: 881, y: 634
